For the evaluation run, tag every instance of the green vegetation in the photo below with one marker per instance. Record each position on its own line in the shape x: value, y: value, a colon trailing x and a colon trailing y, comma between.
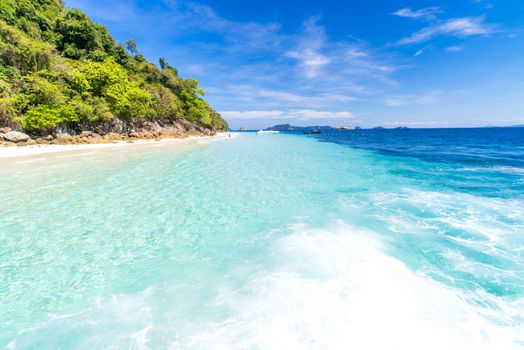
x: 58, y: 68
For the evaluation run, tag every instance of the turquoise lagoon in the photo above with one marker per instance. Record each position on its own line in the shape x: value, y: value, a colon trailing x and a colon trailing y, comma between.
x: 261, y: 242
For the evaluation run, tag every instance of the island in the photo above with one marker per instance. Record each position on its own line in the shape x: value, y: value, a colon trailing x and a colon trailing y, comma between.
x: 289, y: 127
x: 64, y: 79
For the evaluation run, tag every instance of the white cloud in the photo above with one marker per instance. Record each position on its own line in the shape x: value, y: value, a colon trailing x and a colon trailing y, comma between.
x: 420, y: 52
x: 302, y: 99
x: 253, y: 95
x: 403, y: 100
x: 239, y: 35
x: 330, y: 65
x: 308, y: 51
x: 291, y: 114
x: 412, y: 123
x: 456, y: 48
x: 428, y: 13
x: 487, y: 5
x: 458, y: 27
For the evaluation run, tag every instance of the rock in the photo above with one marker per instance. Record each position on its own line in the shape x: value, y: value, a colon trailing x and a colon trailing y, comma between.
x: 48, y: 138
x: 30, y: 142
x: 117, y: 126
x: 86, y: 134
x: 152, y: 127
x: 4, y: 130
x: 15, y: 136
x: 62, y: 139
x: 113, y: 136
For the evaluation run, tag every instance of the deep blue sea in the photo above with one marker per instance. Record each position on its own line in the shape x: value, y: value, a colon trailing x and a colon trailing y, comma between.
x: 494, y: 157
x: 361, y: 239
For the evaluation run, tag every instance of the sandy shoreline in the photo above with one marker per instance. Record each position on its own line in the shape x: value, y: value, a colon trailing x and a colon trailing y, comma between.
x: 23, y: 151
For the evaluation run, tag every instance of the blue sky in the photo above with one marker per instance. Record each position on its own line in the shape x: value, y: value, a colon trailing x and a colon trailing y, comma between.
x: 414, y: 63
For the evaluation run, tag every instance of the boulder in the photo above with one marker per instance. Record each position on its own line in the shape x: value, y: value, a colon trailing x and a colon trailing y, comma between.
x: 113, y: 136
x: 15, y: 136
x: 117, y: 126
x: 4, y: 130
x: 86, y: 134
x: 64, y: 139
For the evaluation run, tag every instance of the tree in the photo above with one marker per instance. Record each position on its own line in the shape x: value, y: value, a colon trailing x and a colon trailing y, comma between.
x: 130, y: 46
x: 77, y: 31
x: 163, y: 64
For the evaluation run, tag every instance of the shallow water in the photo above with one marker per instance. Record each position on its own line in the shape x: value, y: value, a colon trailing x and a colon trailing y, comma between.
x: 267, y: 242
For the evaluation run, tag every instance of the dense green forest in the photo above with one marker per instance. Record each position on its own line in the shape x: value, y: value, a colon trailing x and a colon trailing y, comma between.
x: 58, y: 68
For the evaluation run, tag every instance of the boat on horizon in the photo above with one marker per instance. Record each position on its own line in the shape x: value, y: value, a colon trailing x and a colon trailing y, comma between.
x: 311, y: 132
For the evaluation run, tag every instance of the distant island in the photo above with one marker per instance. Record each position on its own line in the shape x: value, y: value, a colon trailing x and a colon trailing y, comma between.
x: 289, y: 127
x: 64, y: 79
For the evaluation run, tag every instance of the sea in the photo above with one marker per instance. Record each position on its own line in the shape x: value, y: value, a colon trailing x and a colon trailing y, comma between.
x: 359, y: 239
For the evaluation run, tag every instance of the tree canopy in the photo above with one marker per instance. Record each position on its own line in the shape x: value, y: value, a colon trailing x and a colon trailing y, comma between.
x: 58, y: 68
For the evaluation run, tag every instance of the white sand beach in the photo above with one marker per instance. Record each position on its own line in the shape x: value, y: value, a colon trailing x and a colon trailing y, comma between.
x: 24, y: 151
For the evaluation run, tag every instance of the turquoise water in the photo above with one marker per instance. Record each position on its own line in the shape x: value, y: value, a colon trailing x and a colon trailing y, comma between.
x: 259, y: 242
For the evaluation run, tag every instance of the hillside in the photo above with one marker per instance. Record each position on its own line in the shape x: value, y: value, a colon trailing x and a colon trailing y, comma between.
x: 62, y: 73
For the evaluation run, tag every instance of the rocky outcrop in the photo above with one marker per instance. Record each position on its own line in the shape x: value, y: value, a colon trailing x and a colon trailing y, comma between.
x: 14, y: 136
x: 111, y: 131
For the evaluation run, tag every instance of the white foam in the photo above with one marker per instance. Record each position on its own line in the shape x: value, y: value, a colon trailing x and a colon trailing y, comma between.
x: 337, y: 289
x: 139, y: 339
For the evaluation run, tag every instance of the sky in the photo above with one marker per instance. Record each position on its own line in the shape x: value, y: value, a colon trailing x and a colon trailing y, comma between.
x: 441, y: 63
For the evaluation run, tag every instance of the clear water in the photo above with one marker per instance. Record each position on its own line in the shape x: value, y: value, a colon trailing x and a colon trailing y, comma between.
x: 367, y: 240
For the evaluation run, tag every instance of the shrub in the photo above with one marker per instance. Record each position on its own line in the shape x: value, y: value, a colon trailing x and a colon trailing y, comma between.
x: 45, y: 117
x: 8, y: 112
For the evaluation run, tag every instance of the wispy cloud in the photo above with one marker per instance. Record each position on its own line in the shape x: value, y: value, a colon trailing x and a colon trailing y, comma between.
x: 430, y: 123
x: 404, y: 100
x: 291, y: 114
x: 420, y: 52
x: 458, y: 27
x: 487, y: 5
x: 322, y: 59
x: 258, y: 94
x: 307, y: 52
x: 428, y: 13
x: 456, y: 48
x: 244, y: 35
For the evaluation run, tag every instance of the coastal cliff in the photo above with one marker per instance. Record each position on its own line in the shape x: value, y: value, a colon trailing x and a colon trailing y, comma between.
x: 63, y: 77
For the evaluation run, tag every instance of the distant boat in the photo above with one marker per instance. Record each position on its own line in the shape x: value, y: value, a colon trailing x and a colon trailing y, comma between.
x: 267, y: 132
x: 311, y: 132
x: 342, y: 128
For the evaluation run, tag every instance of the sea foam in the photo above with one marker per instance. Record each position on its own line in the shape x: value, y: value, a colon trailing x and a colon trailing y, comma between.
x: 336, y: 288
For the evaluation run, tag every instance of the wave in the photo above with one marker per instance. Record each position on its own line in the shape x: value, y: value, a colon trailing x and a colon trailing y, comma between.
x: 329, y: 288
x: 337, y: 289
